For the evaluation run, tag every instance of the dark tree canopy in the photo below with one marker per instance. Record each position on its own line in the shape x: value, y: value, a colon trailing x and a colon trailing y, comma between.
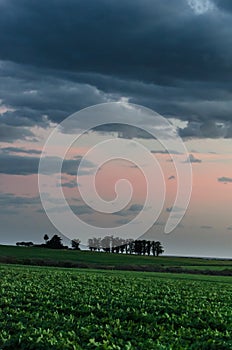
x: 46, y: 238
x: 76, y: 244
x: 55, y: 243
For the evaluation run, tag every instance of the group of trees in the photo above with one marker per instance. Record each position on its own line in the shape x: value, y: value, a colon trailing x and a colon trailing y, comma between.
x: 108, y: 244
x: 25, y: 244
x: 54, y: 243
x: 111, y: 244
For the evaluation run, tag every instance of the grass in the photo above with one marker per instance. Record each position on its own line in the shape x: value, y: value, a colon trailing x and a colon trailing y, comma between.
x: 149, y: 275
x: 42, y: 256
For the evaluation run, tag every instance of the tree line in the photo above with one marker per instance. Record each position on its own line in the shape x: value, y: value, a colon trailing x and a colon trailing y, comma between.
x: 108, y: 244
x: 111, y: 244
x: 54, y: 243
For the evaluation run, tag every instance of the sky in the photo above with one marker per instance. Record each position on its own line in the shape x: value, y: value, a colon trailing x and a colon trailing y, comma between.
x: 172, y: 57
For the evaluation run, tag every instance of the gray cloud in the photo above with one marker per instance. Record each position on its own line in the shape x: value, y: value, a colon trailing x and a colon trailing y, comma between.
x: 17, y: 165
x: 124, y: 131
x: 10, y: 200
x: 136, y: 207
x: 164, y: 152
x: 37, y: 96
x: 11, y: 133
x: 207, y: 129
x: 224, y: 179
x: 71, y: 184
x: 19, y: 150
x: 22, y: 165
x: 162, y: 55
x: 77, y: 209
x: 133, y: 209
x: 158, y: 41
x: 174, y: 209
x: 224, y: 5
x: 192, y: 159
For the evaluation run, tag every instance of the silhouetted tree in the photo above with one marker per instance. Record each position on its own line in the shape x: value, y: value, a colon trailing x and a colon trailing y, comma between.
x: 122, y: 245
x: 131, y: 246
x: 25, y: 244
x: 46, y: 238
x: 94, y: 244
x: 159, y: 248
x: 138, y: 247
x: 144, y: 246
x: 116, y: 243
x: 156, y: 248
x: 55, y: 243
x: 90, y: 244
x: 148, y: 247
x: 97, y: 243
x: 76, y: 244
x: 119, y: 245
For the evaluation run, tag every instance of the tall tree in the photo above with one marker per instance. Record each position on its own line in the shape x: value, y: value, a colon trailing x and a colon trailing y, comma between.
x: 90, y: 244
x: 131, y: 246
x: 76, y: 244
x: 106, y: 243
x: 144, y: 246
x: 148, y: 247
x: 158, y: 248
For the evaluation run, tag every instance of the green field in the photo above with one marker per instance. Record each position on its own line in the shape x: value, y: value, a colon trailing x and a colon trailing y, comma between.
x: 56, y: 308
x: 42, y: 256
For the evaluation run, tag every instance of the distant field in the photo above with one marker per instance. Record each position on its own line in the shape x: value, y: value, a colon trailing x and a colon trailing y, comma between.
x: 42, y: 256
x: 46, y: 308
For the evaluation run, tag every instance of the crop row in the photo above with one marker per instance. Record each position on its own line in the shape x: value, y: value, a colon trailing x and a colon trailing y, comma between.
x: 42, y: 308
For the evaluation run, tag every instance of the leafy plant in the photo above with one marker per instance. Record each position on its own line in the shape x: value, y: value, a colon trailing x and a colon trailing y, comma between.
x: 48, y: 308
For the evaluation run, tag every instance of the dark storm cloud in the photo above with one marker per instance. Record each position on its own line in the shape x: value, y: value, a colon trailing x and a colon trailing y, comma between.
x: 73, y: 54
x: 224, y: 5
x: 143, y: 39
x: 36, y: 96
x: 207, y: 129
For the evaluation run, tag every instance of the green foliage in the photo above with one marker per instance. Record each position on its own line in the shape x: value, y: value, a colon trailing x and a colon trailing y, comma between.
x: 44, y: 308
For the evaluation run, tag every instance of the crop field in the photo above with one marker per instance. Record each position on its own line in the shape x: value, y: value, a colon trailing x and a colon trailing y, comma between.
x: 51, y: 308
